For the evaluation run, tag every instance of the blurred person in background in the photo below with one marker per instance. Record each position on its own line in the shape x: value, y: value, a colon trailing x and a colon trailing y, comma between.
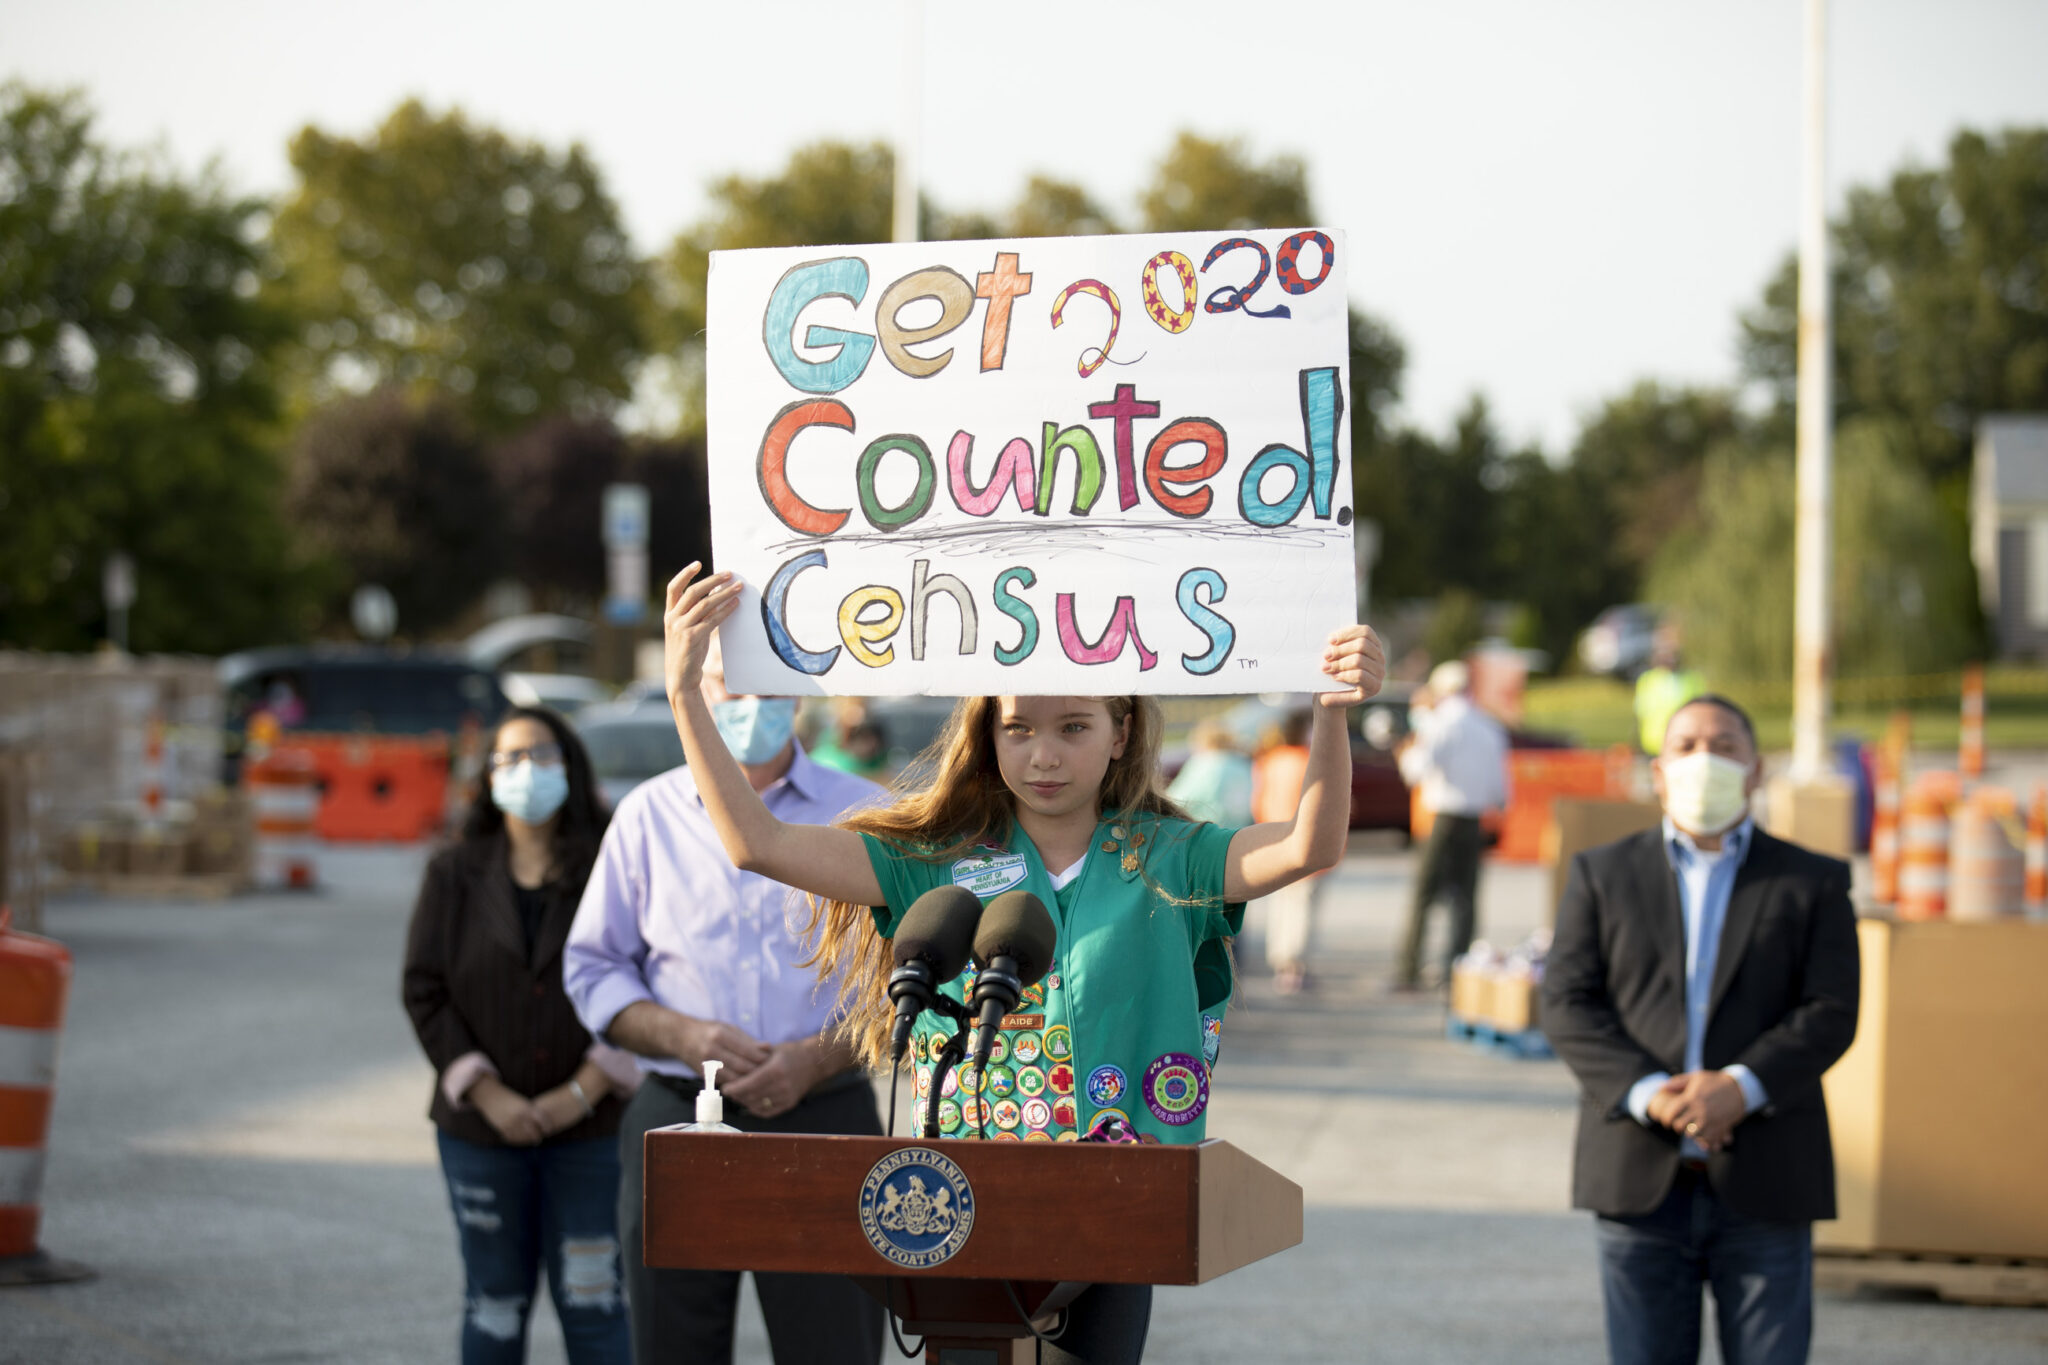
x: 1662, y: 688
x: 1278, y: 772
x: 1215, y: 784
x: 853, y: 742
x: 526, y: 1103
x: 678, y: 956
x: 1702, y: 978
x: 1458, y: 757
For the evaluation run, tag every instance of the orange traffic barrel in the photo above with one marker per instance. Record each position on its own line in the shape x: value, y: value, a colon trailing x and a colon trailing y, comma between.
x: 1923, y: 854
x: 1987, y: 878
x: 1884, y: 833
x: 2037, y: 846
x: 34, y: 976
x: 284, y: 795
x: 1970, y: 748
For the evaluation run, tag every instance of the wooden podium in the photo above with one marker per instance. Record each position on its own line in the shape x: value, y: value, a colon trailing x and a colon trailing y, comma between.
x: 1044, y: 1219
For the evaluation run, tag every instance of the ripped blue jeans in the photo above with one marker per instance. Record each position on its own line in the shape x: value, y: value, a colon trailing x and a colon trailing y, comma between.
x: 517, y: 1208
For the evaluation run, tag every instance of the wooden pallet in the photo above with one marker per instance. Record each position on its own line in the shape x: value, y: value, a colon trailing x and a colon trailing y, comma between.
x: 158, y: 886
x: 1952, y: 1279
x: 1522, y: 1044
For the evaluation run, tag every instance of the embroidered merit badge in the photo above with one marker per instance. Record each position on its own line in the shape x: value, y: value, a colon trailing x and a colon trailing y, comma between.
x: 1176, y: 1088
x: 989, y: 876
x: 916, y: 1208
x: 1001, y: 1081
x: 1059, y: 1043
x: 1030, y: 1081
x: 1105, y: 1085
x: 1061, y: 1079
x: 1037, y: 1114
x: 1063, y: 1111
x: 1212, y: 1038
x: 1027, y: 1048
x: 949, y: 1115
x: 1008, y: 1114
x: 1000, y: 1050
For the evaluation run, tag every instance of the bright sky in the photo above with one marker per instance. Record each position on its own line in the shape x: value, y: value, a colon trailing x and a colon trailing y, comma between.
x: 1547, y: 201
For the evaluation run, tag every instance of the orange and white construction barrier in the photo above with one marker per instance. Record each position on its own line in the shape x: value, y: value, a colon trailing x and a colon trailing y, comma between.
x: 1923, y: 855
x: 2037, y: 847
x: 284, y: 794
x: 1884, y: 831
x: 1970, y: 750
x: 1986, y: 876
x: 153, y: 766
x: 35, y: 973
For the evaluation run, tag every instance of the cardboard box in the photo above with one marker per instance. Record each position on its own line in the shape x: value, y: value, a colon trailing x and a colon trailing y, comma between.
x: 1817, y: 815
x: 1512, y: 1006
x: 1582, y: 822
x: 1940, y: 1105
x: 1471, y: 994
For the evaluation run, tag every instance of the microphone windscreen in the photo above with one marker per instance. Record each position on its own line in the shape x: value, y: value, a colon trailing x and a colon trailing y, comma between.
x: 939, y: 928
x: 1016, y: 926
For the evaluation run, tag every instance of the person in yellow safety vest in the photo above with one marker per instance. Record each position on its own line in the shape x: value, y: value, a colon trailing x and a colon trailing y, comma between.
x: 1662, y: 688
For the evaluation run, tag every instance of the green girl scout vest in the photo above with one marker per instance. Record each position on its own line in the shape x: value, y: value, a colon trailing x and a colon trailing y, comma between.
x: 1128, y: 1019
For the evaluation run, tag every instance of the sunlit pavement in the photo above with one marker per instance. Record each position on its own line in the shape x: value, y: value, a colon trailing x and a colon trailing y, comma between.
x: 240, y: 1150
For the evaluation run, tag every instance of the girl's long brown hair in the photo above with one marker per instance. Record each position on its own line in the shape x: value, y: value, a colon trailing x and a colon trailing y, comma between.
x: 965, y: 805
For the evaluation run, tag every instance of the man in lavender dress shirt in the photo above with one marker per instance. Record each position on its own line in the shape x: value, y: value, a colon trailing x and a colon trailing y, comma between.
x: 678, y: 956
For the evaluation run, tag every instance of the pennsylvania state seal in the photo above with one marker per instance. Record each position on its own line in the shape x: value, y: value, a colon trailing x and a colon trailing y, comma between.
x: 916, y: 1208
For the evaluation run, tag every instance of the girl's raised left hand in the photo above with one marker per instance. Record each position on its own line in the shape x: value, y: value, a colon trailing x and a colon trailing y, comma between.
x: 1355, y: 658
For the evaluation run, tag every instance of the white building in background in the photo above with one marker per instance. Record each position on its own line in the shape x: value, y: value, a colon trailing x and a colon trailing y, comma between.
x: 2009, y: 530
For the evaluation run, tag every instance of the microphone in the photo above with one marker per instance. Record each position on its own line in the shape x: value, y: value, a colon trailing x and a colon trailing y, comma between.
x: 1014, y: 947
x: 930, y: 948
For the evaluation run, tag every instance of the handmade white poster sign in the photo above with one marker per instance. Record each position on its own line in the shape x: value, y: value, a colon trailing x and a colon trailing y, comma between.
x: 1087, y: 465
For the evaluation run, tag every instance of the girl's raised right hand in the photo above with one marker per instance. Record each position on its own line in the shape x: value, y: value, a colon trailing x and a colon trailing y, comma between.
x: 695, y: 610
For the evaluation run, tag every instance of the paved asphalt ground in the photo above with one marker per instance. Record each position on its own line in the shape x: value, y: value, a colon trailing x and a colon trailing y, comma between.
x: 239, y: 1149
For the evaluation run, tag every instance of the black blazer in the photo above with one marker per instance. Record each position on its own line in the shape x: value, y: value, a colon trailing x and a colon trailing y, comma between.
x: 1783, y: 1004
x: 470, y: 985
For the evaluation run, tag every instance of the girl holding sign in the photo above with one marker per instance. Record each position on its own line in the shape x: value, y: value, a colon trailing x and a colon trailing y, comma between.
x: 1056, y: 796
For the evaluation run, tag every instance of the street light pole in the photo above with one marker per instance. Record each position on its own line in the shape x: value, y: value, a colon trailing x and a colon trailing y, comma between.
x: 1812, y: 659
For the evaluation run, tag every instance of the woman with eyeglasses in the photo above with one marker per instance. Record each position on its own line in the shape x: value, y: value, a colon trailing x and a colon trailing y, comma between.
x: 526, y: 1103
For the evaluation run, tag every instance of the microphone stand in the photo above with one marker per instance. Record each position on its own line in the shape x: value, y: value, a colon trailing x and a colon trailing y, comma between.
x: 950, y: 1056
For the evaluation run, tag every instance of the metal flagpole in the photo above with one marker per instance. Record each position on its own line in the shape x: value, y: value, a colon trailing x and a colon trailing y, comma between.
x: 1813, y: 548
x: 910, y: 133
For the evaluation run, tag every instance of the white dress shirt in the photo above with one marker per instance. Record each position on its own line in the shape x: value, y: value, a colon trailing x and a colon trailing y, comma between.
x: 1459, y: 759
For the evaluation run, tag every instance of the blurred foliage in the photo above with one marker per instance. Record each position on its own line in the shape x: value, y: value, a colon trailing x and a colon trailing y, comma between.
x: 1940, y: 288
x: 1204, y: 186
x: 1458, y: 623
x: 395, y: 490
x: 551, y: 478
x: 138, y: 396
x: 1902, y: 595
x: 447, y: 258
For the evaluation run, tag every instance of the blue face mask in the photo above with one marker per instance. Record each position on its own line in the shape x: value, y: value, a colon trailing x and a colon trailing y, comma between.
x: 755, y: 728
x: 530, y: 791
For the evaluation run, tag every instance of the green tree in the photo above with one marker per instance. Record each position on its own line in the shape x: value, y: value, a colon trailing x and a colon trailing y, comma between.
x: 1202, y: 186
x: 396, y: 491
x: 1940, y: 290
x: 444, y: 256
x: 1642, y: 454
x: 138, y: 397
x: 1902, y: 595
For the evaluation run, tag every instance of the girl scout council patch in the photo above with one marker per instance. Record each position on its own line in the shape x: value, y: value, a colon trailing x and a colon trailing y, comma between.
x: 916, y: 1208
x: 1105, y: 1086
x: 1176, y: 1088
x: 991, y: 874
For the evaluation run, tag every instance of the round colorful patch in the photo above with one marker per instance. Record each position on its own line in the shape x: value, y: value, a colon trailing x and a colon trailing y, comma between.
x: 1030, y: 1080
x: 1034, y: 994
x: 1106, y: 1085
x: 949, y: 1116
x: 970, y: 1083
x: 1059, y: 1043
x: 1103, y: 1116
x: 1026, y: 1048
x: 1061, y: 1078
x: 1001, y: 1081
x: 951, y: 1085
x: 924, y: 1081
x: 1063, y: 1111
x: 1037, y: 1114
x: 1000, y: 1136
x: 1176, y: 1088
x: 1067, y: 1135
x: 999, y: 1051
x: 1008, y: 1114
x: 1038, y: 1135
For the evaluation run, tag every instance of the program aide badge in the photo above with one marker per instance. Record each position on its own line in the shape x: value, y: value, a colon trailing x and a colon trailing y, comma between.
x: 916, y: 1208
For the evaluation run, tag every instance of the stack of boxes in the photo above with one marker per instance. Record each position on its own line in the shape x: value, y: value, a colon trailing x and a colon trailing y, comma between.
x: 99, y: 802
x: 1496, y: 989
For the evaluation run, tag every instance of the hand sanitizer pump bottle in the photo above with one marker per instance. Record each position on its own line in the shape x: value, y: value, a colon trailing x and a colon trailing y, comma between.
x: 710, y: 1104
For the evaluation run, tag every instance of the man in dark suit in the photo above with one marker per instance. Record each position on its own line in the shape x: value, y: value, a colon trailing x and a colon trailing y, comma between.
x: 1702, y: 977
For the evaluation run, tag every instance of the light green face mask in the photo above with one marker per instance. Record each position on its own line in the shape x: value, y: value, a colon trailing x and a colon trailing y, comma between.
x: 1705, y: 794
